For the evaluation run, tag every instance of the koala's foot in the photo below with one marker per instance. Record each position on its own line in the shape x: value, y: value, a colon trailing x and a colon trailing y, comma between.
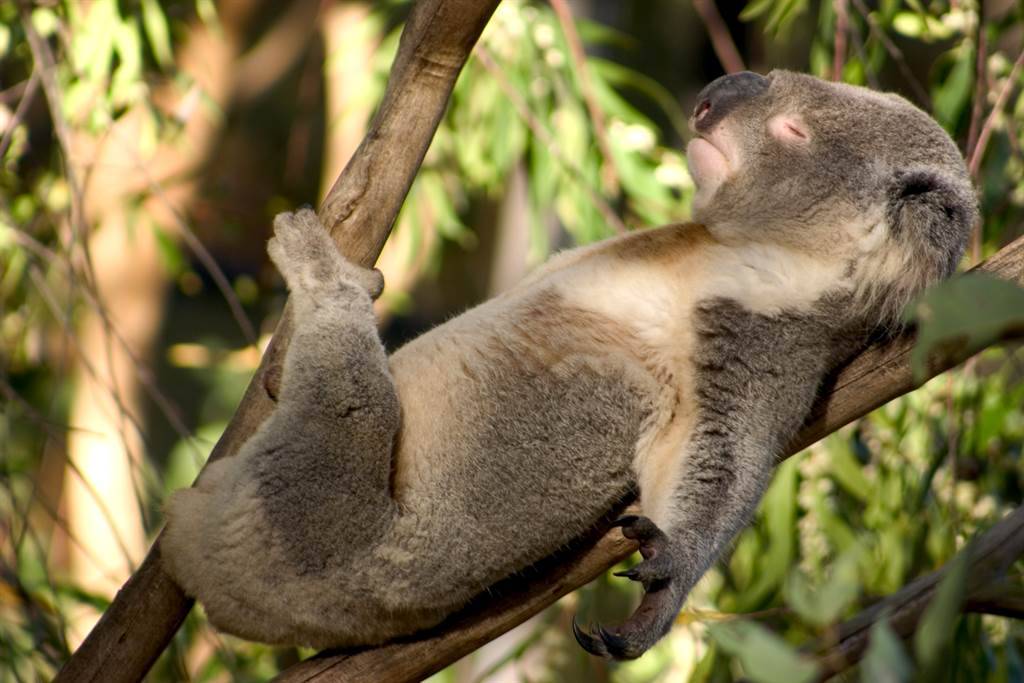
x: 308, y: 259
x: 663, y: 596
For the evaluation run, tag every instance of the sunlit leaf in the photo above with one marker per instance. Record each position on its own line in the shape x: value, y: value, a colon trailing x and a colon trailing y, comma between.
x: 159, y: 35
x: 765, y: 657
x: 44, y: 21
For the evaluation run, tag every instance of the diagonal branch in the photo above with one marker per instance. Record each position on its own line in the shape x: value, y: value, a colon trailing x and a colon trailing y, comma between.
x: 359, y: 211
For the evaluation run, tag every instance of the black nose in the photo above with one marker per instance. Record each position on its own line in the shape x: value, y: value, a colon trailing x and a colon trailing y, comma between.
x: 721, y: 96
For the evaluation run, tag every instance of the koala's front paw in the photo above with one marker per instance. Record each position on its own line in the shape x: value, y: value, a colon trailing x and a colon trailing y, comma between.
x: 661, y: 573
x: 308, y: 259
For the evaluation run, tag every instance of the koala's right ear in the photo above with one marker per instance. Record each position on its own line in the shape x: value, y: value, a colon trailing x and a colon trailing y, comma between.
x: 932, y: 211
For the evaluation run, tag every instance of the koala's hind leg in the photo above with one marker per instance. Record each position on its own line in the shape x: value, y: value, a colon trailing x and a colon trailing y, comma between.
x: 324, y: 470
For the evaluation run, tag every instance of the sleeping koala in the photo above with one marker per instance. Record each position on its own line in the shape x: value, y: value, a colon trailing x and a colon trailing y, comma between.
x: 674, y: 363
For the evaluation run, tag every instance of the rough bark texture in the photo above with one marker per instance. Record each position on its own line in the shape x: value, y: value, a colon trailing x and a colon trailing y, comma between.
x: 359, y: 210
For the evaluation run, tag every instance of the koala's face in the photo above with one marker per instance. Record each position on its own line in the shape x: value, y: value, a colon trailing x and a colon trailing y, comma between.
x: 831, y: 168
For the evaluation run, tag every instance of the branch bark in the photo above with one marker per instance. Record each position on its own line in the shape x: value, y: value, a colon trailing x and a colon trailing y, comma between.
x: 359, y: 211
x: 990, y: 556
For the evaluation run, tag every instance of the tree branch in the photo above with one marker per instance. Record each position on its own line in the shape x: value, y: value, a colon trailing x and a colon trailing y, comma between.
x: 990, y: 556
x: 359, y: 211
x: 721, y: 40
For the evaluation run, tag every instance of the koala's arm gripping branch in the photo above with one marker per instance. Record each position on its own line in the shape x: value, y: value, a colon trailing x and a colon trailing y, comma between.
x: 359, y: 211
x: 878, y: 375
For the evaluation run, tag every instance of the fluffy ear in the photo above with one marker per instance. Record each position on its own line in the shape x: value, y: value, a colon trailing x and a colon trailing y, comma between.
x: 932, y: 211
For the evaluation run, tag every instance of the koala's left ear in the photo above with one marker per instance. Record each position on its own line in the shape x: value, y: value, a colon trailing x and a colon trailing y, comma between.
x: 932, y: 210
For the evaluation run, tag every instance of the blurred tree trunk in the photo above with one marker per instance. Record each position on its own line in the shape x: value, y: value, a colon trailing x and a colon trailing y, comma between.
x: 104, y: 492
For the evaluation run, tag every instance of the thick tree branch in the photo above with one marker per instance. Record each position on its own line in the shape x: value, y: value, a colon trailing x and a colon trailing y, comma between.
x: 990, y: 556
x: 878, y: 375
x: 359, y: 211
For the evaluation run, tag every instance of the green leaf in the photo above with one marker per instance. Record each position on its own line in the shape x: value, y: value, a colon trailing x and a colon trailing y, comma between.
x: 155, y: 23
x: 846, y: 469
x: 823, y: 606
x: 126, y: 86
x: 755, y: 9
x: 952, y: 96
x: 975, y: 308
x: 779, y: 514
x: 765, y: 657
x: 44, y: 21
x: 886, y: 661
x: 935, y: 633
x: 170, y: 253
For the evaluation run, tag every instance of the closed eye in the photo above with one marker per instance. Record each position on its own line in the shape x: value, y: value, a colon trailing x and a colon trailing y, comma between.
x: 788, y: 128
x: 795, y: 132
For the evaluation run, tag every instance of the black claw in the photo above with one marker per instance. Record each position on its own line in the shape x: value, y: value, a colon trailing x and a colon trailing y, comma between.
x: 615, y: 645
x: 587, y: 641
x: 630, y: 574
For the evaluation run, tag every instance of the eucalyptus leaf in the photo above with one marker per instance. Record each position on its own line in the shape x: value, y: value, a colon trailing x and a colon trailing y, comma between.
x: 823, y: 606
x: 950, y: 98
x: 155, y: 23
x: 779, y: 512
x: 935, y: 632
x: 976, y: 308
x: 765, y: 657
x: 886, y: 661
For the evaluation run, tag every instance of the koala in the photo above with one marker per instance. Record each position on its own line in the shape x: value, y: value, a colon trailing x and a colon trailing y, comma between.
x: 671, y: 364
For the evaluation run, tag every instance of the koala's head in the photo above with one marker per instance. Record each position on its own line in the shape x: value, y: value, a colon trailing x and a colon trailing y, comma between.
x: 836, y: 170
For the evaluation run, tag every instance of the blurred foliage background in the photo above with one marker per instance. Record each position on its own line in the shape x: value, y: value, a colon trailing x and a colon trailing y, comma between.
x: 146, y: 144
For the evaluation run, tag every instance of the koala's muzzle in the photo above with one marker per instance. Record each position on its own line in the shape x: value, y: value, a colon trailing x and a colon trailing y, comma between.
x: 722, y: 95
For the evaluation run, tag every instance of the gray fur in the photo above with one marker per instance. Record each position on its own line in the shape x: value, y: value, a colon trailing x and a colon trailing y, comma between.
x: 385, y: 493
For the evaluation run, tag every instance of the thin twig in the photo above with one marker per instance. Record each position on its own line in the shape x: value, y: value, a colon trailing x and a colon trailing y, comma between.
x: 980, y: 88
x: 974, y: 162
x: 46, y: 67
x: 548, y: 139
x: 124, y: 414
x: 609, y: 176
x: 977, y: 109
x: 200, y: 251
x: 19, y: 113
x: 100, y: 503
x: 721, y: 40
x: 901, y: 62
x: 862, y: 54
x: 839, y: 44
x: 143, y: 373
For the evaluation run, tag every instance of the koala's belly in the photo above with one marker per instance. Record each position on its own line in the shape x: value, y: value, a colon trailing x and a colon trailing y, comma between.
x: 514, y: 459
